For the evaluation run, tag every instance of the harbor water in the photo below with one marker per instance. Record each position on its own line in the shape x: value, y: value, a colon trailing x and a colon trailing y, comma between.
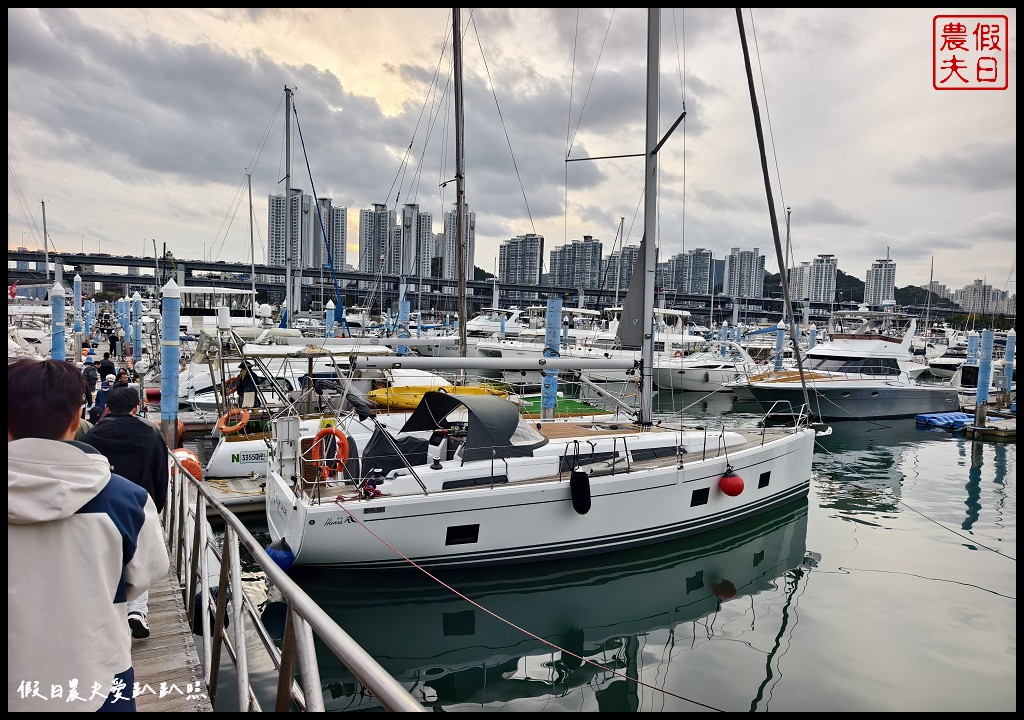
x: 891, y: 588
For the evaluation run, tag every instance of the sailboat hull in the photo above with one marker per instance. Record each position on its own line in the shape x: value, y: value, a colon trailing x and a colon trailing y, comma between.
x: 513, y: 521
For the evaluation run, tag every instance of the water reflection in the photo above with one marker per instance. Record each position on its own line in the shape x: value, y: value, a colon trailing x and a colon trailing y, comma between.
x: 579, y: 635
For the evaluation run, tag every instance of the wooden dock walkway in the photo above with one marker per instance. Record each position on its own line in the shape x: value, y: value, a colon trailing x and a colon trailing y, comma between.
x: 167, y: 666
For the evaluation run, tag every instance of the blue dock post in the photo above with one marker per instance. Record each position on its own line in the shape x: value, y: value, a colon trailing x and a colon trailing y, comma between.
x: 780, y: 344
x: 170, y: 355
x: 57, y: 322
x: 329, y: 319
x: 403, y: 325
x: 972, y: 348
x: 137, y: 326
x: 549, y: 381
x: 984, y: 376
x: 77, y: 303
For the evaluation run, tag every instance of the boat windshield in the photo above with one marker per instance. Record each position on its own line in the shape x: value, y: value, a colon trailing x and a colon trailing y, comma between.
x: 525, y: 434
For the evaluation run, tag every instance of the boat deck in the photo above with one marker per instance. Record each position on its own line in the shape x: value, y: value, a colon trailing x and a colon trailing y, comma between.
x: 241, y: 494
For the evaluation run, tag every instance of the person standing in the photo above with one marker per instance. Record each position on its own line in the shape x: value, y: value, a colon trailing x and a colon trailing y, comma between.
x: 92, y: 376
x: 136, y: 450
x: 106, y: 366
x: 112, y: 341
x: 99, y: 405
x: 81, y: 541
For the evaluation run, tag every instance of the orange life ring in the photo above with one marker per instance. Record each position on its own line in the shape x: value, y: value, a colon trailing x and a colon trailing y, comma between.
x: 677, y: 353
x: 190, y: 462
x: 241, y: 422
x: 341, y: 457
x: 231, y: 385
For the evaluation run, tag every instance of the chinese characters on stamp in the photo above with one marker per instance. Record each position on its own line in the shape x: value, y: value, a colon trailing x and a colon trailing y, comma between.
x: 970, y: 52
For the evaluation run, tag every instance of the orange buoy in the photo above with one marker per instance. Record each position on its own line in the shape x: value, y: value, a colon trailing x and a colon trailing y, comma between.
x: 731, y: 483
x: 190, y: 462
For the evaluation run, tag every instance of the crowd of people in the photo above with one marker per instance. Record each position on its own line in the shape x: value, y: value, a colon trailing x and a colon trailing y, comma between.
x: 84, y: 541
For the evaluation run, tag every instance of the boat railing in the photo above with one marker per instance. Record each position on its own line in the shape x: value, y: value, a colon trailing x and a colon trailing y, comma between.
x: 784, y: 409
x: 215, y: 601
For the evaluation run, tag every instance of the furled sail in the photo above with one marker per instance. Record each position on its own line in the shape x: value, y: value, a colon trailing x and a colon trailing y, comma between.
x: 631, y: 324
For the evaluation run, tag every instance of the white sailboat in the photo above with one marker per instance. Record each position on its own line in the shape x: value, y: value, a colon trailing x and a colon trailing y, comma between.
x: 467, y: 482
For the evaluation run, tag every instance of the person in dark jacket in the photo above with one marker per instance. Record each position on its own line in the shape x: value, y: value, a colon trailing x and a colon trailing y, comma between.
x: 92, y: 377
x: 137, y: 451
x: 248, y: 382
x: 106, y: 366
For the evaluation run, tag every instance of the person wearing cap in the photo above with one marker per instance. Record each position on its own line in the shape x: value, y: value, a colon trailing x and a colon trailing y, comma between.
x: 92, y: 376
x: 100, y: 401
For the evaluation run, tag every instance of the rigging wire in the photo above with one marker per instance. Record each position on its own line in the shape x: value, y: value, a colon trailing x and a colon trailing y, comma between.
x: 240, y: 192
x: 771, y: 136
x: 508, y: 140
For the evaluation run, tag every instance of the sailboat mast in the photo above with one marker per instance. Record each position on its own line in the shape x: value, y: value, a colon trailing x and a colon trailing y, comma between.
x: 289, y: 305
x: 787, y: 300
x: 644, y: 417
x: 252, y: 248
x: 928, y: 305
x: 618, y: 265
x: 460, y: 177
x: 46, y: 244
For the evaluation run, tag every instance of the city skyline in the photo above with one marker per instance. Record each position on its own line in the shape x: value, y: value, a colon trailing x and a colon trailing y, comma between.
x: 139, y: 125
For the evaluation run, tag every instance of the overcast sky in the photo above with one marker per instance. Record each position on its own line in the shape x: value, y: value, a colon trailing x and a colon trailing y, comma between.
x: 141, y: 125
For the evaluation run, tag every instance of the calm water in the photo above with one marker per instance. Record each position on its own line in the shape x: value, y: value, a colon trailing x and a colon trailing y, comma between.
x: 893, y: 587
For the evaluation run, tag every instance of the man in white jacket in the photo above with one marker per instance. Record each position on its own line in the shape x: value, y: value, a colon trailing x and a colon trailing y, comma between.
x: 81, y: 542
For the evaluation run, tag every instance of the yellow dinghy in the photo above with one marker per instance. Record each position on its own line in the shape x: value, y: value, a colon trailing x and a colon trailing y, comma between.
x: 407, y: 397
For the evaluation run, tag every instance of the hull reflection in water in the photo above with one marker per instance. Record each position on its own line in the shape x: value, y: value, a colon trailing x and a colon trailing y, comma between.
x: 449, y: 650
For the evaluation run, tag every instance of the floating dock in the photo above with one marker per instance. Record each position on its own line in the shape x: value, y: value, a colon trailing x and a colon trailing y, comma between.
x: 998, y: 426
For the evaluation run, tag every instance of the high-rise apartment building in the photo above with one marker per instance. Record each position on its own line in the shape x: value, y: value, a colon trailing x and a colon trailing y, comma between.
x: 619, y: 268
x: 744, y: 274
x: 376, y: 228
x: 449, y: 261
x: 695, y: 272
x: 576, y: 264
x: 416, y: 243
x: 880, y: 282
x: 519, y: 263
x: 314, y: 226
x: 814, y: 281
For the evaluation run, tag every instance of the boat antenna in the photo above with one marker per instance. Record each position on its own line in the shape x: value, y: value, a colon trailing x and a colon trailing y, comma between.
x: 771, y: 205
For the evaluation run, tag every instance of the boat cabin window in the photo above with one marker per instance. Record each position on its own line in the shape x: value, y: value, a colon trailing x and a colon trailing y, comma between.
x: 862, y: 365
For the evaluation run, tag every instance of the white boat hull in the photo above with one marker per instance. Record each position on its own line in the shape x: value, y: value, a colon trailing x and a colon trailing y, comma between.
x: 528, y: 520
x: 853, y: 400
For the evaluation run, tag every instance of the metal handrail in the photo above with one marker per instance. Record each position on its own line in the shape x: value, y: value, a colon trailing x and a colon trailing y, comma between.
x: 190, y: 537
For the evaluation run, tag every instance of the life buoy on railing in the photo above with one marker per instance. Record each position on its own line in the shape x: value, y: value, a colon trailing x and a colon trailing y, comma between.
x: 231, y: 385
x: 190, y: 462
x: 677, y: 353
x: 330, y: 467
x: 238, y: 419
